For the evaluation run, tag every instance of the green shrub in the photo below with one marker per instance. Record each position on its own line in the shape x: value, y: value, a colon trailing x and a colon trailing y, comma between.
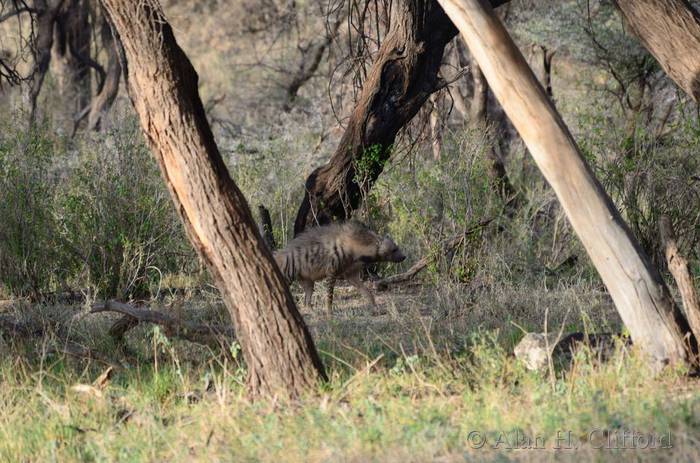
x: 273, y: 177
x: 422, y: 202
x: 31, y: 252
x: 91, y: 214
x: 118, y: 220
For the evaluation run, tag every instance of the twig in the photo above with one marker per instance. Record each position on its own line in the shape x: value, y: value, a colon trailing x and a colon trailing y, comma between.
x: 76, y: 350
x: 449, y: 245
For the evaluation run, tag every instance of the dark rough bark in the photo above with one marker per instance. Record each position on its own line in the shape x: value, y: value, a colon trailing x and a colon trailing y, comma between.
x: 47, y: 11
x: 403, y: 76
x: 277, y: 347
x: 670, y: 30
x: 266, y: 226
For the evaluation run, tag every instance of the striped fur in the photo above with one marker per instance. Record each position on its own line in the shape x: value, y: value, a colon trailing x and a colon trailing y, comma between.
x: 335, y: 251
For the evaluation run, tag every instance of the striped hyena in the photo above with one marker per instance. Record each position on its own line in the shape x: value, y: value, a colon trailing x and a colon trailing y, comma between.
x: 335, y: 251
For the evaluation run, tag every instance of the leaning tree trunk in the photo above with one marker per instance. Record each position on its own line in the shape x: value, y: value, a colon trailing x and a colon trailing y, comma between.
x: 670, y: 30
x: 637, y: 289
x: 403, y: 76
x: 277, y: 347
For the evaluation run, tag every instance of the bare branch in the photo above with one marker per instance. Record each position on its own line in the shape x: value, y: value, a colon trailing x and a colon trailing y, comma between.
x: 210, y: 335
x: 17, y: 12
x: 446, y: 248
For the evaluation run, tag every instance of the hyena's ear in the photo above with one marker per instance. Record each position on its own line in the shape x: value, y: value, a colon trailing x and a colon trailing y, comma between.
x: 387, y: 245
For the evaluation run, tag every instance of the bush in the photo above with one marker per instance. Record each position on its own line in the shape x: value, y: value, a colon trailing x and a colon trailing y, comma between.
x: 91, y: 214
x: 118, y: 220
x: 31, y: 256
x: 272, y: 176
x: 650, y: 177
x: 422, y: 202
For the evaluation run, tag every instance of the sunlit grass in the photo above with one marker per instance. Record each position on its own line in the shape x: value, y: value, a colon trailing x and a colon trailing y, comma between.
x: 415, y: 407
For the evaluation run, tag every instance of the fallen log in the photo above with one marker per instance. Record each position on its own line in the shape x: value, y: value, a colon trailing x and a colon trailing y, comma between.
x: 208, y: 335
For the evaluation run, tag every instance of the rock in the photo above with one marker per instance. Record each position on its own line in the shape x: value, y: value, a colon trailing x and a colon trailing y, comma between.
x: 534, y: 349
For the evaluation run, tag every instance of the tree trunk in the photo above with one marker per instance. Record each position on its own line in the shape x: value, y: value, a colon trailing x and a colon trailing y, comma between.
x: 102, y: 102
x: 72, y: 41
x: 541, y: 63
x: 679, y: 268
x: 265, y: 227
x: 401, y: 79
x: 278, y: 350
x: 461, y: 90
x: 47, y: 11
x: 403, y: 76
x: 637, y: 289
x: 480, y: 119
x: 670, y: 30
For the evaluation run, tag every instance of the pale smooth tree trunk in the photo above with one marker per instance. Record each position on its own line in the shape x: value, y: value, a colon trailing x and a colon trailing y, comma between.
x: 679, y: 268
x: 670, y: 30
x: 278, y: 350
x: 637, y: 289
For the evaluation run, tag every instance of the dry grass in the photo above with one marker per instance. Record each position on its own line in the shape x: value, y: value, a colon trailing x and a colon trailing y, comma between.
x: 410, y: 384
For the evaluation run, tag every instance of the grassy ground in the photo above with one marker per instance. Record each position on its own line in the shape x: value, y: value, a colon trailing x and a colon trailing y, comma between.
x: 415, y: 383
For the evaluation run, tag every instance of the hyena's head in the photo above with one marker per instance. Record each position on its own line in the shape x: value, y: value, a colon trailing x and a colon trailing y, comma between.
x: 389, y: 251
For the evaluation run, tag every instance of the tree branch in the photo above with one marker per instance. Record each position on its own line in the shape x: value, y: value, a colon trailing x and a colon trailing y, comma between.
x: 209, y: 335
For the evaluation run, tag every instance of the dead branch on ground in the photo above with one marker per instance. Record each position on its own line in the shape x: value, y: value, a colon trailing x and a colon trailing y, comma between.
x: 208, y: 335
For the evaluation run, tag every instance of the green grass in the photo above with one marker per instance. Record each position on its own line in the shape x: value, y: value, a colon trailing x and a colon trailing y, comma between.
x: 396, y: 393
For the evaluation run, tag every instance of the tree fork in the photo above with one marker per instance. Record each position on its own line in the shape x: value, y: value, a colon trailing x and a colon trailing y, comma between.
x: 637, y: 289
x: 277, y: 347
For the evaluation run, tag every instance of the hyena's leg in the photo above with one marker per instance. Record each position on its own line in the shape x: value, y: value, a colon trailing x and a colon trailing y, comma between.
x: 308, y: 286
x: 355, y: 280
x: 329, y: 295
